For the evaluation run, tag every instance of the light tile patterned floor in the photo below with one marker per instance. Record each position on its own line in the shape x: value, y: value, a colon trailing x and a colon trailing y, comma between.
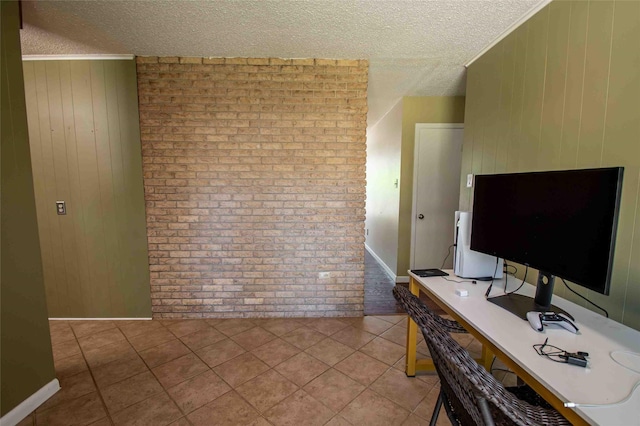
x: 236, y: 372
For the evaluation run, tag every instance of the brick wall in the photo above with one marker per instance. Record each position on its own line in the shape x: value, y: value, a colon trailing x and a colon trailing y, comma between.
x: 254, y: 174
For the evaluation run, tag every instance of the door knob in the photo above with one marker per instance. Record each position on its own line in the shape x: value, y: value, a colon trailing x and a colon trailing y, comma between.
x: 420, y: 216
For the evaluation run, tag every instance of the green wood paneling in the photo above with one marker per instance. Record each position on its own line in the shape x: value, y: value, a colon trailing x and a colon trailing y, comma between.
x: 479, y: 130
x: 596, y: 83
x: 119, y: 185
x: 515, y: 124
x: 574, y: 82
x: 554, y: 87
x: 77, y: 236
x: 26, y: 359
x: 134, y: 224
x: 90, y: 191
x: 571, y: 101
x: 622, y: 146
x: 533, y: 91
x: 491, y: 128
x: 470, y: 123
x: 85, y: 120
x: 506, y: 99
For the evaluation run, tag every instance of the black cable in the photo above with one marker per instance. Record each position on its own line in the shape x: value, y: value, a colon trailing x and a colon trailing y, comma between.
x: 495, y: 270
x: 506, y: 265
x: 526, y: 271
x: 579, y: 295
x: 492, y: 369
x: 557, y: 352
x: 460, y: 281
x: 493, y: 277
x: 505, y: 278
x: 447, y: 256
x: 502, y: 369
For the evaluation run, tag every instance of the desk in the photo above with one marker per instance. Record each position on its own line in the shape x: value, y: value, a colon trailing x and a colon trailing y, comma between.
x: 511, y: 338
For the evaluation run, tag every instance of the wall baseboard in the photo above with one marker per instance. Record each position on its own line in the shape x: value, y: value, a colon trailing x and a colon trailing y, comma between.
x: 27, y: 406
x: 100, y: 319
x: 402, y: 279
x: 388, y: 270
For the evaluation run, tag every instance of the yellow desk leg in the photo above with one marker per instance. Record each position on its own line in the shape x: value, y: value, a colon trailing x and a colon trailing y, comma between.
x: 487, y: 358
x: 412, y: 330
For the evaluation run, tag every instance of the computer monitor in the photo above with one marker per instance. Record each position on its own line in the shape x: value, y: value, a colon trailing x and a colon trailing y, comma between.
x: 562, y: 223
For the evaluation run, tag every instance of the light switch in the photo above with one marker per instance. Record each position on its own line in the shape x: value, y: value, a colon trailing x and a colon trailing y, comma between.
x: 469, y: 180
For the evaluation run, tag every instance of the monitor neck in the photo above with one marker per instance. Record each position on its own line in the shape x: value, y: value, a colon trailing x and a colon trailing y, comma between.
x: 544, y: 290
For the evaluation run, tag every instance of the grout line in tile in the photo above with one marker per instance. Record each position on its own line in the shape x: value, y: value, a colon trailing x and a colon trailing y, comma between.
x: 95, y: 383
x: 191, y: 351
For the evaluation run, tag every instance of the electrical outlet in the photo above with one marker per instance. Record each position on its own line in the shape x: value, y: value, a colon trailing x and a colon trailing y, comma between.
x: 324, y: 274
x: 61, y: 207
x: 469, y: 180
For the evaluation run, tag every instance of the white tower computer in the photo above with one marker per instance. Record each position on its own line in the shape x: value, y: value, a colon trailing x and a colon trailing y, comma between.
x: 468, y: 263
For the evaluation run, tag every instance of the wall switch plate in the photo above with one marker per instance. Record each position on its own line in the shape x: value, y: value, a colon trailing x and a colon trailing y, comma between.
x: 324, y: 274
x: 61, y: 207
x: 469, y: 180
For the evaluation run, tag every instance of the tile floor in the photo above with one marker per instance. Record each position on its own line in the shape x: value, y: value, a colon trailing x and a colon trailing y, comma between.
x: 238, y: 371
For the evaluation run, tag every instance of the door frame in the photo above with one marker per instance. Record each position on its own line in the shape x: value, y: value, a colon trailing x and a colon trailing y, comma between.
x: 416, y: 157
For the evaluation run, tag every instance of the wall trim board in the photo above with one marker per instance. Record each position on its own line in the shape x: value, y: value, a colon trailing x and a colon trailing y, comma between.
x: 535, y: 9
x: 77, y: 57
x: 100, y: 319
x: 402, y: 279
x: 27, y: 406
x: 384, y: 266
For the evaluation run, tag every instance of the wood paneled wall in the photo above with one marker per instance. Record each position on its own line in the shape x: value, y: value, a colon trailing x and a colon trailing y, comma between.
x: 26, y: 358
x: 563, y: 92
x: 85, y: 148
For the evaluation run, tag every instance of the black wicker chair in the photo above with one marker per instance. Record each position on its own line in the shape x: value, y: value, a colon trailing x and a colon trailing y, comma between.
x: 451, y: 326
x: 471, y: 395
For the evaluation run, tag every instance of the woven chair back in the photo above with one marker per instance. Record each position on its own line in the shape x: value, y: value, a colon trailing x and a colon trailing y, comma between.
x: 473, y: 395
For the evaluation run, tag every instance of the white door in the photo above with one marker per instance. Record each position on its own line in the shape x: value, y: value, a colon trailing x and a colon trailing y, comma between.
x: 436, y: 193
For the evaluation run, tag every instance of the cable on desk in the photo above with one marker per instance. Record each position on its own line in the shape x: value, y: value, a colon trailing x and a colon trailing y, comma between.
x: 555, y: 354
x: 579, y: 295
x: 507, y: 266
x: 505, y: 270
x: 526, y: 271
x: 459, y: 281
x: 613, y: 353
x: 447, y: 256
x: 622, y: 401
x: 493, y: 277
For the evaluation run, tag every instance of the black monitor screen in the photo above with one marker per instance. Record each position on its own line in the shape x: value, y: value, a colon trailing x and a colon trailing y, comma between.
x: 562, y: 222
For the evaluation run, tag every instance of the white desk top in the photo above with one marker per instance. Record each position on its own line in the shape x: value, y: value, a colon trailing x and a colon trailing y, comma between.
x: 603, y: 381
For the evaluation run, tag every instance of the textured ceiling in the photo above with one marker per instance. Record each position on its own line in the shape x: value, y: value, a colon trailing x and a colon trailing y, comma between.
x: 415, y: 48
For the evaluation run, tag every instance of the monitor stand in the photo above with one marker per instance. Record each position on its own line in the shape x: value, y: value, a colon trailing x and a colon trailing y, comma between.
x: 519, y: 305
